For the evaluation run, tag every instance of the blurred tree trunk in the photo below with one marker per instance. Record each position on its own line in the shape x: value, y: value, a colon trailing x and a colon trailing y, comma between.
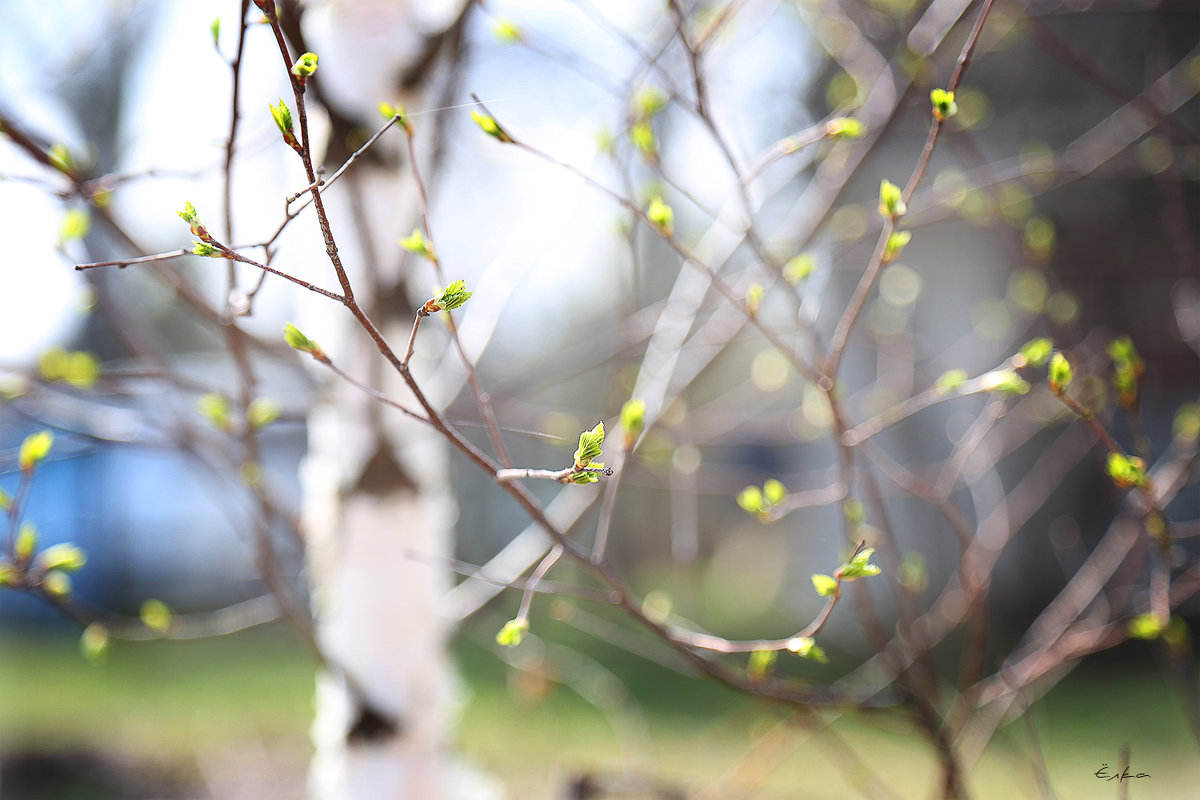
x: 378, y: 511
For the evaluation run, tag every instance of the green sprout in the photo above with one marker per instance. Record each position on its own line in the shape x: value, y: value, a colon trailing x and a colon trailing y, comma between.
x: 661, y: 215
x: 489, y: 126
x: 448, y: 299
x: 591, y: 444
x: 799, y: 267
x: 505, y: 30
x: 417, y: 244
x: 1037, y: 352
x: 806, y: 647
x: 1059, y: 373
x: 513, y: 632
x: 891, y: 200
x: 948, y: 381
x: 305, y: 66
x: 298, y: 341
x: 845, y: 128
x: 34, y: 450
x: 1128, y: 370
x: 761, y: 663
x: 754, y: 297
x: 895, y: 244
x: 944, y: 106
x: 64, y: 556
x: 1005, y: 381
x: 1127, y: 472
x: 283, y: 120
x: 761, y: 503
x: 633, y: 421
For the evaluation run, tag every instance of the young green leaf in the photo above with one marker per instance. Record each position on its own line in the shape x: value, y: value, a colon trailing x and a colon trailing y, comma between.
x: 633, y: 421
x: 845, y: 128
x: 418, y: 244
x: 1036, y: 352
x: 64, y: 556
x: 1005, y: 381
x: 34, y: 450
x: 895, y: 244
x: 1145, y: 626
x: 891, y: 200
x: 661, y: 215
x: 860, y: 566
x: 806, y: 647
x: 489, y: 126
x: 305, y: 66
x: 591, y: 443
x: 825, y: 585
x: 1127, y: 472
x: 1059, y: 373
x: 453, y: 296
x: 513, y: 632
x: 944, y: 106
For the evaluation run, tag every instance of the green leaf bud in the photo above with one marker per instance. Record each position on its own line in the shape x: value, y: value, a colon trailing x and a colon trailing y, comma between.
x: 1005, y: 381
x: 513, y: 632
x: 661, y: 215
x: 948, y: 381
x: 891, y: 200
x: 215, y: 408
x: 5, y: 499
x: 261, y: 413
x: 585, y: 476
x: 860, y: 566
x: 1145, y: 626
x: 1127, y: 472
x: 189, y: 214
x: 751, y: 500
x: 806, y: 647
x: 57, y: 583
x: 453, y: 296
x: 206, y: 250
x: 298, y: 341
x: 488, y: 125
x: 761, y: 663
x: 754, y: 297
x: 591, y: 443
x: 64, y: 556
x: 774, y: 492
x: 1059, y: 373
x: 34, y: 450
x: 305, y: 66
x: 27, y: 539
x: 826, y: 585
x: 283, y: 120
x: 1036, y: 352
x: 505, y: 30
x: 74, y: 226
x: 895, y: 244
x: 61, y: 158
x: 417, y: 243
x: 9, y: 575
x: 648, y: 101
x: 633, y: 421
x: 845, y: 128
x: 641, y: 133
x: 799, y: 267
x: 156, y: 616
x: 93, y: 643
x: 943, y: 103
x: 1128, y: 371
x: 214, y: 30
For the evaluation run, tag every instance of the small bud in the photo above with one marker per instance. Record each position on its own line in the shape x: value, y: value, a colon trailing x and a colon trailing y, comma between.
x: 825, y: 585
x: 298, y: 341
x: 9, y: 575
x: 895, y: 244
x: 5, y: 499
x: 1128, y: 371
x: 189, y: 214
x: 27, y: 539
x: 943, y: 103
x: 751, y: 501
x: 1127, y: 472
x: 283, y: 121
x: 34, y: 450
x: 206, y: 250
x: 641, y: 133
x: 305, y: 66
x: 845, y: 128
x: 648, y: 101
x: 214, y: 30
x: 74, y: 226
x: 860, y: 566
x: 61, y: 158
x: 1059, y: 373
x: 156, y: 616
x: 453, y: 296
x: 948, y: 381
x: 262, y: 412
x: 799, y: 267
x: 505, y: 30
x: 1036, y: 352
x: 93, y: 643
x: 774, y: 492
x: 57, y: 583
x: 591, y: 444
x: 760, y: 664
x: 488, y: 125
x: 891, y: 200
x: 513, y: 632
x: 806, y: 647
x: 215, y: 408
x: 661, y: 215
x: 1005, y: 381
x: 1145, y: 626
x: 417, y: 243
x: 754, y: 297
x: 64, y: 556
x: 633, y: 420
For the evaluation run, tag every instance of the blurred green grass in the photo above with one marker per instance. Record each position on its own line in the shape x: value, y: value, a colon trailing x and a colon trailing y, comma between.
x: 563, y: 713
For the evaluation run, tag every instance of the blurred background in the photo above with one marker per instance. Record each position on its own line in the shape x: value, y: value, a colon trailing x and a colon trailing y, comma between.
x: 1061, y: 201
